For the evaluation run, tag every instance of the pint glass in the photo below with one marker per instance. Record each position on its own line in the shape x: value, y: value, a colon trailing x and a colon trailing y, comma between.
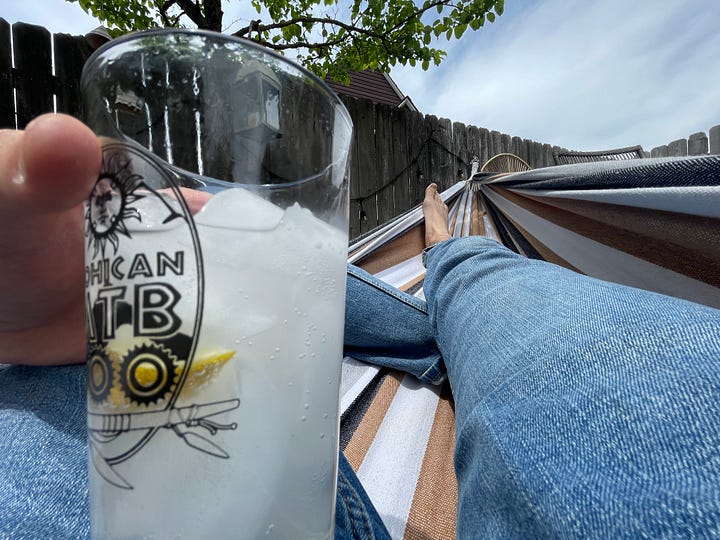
x: 216, y: 239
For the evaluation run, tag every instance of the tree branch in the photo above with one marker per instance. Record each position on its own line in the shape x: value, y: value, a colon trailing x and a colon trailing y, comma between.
x: 313, y: 20
x: 192, y: 10
x: 352, y: 27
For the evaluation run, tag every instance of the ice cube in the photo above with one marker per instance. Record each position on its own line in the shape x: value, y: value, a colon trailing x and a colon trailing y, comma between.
x: 156, y: 211
x: 238, y: 208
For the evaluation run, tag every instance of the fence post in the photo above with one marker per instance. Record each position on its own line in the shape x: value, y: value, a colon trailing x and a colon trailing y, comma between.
x: 70, y: 55
x: 7, y: 108
x: 678, y: 148
x: 33, y: 66
x: 660, y: 151
x: 715, y: 140
x: 697, y: 144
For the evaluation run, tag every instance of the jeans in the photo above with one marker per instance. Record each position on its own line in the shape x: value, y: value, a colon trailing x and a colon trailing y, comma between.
x: 584, y: 409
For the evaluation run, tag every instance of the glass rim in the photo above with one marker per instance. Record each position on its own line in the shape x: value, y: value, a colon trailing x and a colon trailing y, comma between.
x: 132, y: 36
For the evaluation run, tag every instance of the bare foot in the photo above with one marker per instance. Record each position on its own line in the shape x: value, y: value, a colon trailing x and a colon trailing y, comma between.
x: 436, y: 217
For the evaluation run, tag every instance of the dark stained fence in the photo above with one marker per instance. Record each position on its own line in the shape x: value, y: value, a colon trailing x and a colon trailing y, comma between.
x: 28, y: 84
x: 395, y: 152
x: 697, y: 144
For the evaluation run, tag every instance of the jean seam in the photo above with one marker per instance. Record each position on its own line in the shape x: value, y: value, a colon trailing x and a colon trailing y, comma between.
x: 347, y: 487
x: 406, y: 299
x: 434, y: 374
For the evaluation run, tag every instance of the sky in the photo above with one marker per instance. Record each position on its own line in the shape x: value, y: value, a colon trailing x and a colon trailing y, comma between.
x: 585, y: 75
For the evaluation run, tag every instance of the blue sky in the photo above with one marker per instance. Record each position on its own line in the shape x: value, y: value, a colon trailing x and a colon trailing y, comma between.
x: 586, y: 75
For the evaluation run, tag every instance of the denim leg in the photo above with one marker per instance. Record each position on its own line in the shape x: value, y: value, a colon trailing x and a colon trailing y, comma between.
x: 584, y: 409
x: 387, y: 327
x: 43, y: 453
x: 355, y: 516
x: 43, y: 462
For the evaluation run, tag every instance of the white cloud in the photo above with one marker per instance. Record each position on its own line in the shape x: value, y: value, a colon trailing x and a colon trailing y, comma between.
x: 582, y: 75
x: 57, y: 16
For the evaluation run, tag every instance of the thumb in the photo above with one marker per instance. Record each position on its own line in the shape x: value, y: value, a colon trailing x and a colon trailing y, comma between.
x: 51, y: 167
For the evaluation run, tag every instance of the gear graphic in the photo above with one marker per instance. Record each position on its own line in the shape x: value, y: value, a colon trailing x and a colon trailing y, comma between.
x: 100, y: 373
x: 149, y: 374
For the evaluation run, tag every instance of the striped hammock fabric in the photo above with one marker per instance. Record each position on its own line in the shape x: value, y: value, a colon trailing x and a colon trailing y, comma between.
x: 647, y: 223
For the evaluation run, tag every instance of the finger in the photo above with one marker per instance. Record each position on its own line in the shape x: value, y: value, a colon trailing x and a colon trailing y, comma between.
x: 195, y: 199
x: 50, y: 167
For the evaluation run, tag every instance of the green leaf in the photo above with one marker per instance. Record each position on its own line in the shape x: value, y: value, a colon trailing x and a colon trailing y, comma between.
x: 408, y: 35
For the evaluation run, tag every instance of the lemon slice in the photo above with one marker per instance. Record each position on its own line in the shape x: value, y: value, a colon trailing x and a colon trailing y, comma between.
x: 147, y: 375
x: 204, y: 368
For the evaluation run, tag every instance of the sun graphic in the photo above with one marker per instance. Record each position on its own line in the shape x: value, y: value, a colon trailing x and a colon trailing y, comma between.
x: 109, y: 205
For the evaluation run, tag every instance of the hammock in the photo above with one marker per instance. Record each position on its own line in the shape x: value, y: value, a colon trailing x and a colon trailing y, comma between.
x: 647, y: 223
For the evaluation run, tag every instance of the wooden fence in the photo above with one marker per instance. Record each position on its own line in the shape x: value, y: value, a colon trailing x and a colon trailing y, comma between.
x: 395, y: 153
x: 697, y: 144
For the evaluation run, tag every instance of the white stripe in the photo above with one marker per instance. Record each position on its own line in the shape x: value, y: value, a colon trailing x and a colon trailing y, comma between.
x: 468, y: 213
x: 490, y: 231
x: 391, y: 467
x: 403, y: 272
x: 395, y: 228
x: 604, y: 262
x: 697, y: 201
x: 355, y: 378
x: 461, y: 210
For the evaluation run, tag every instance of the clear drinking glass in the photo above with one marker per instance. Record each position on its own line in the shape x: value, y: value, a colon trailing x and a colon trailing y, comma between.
x: 216, y: 240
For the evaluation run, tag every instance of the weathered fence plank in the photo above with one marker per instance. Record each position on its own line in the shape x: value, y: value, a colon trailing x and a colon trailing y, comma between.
x: 401, y: 156
x: 659, y: 151
x: 461, y: 151
x: 385, y: 174
x: 714, y: 136
x: 70, y: 53
x: 495, y: 143
x: 352, y: 170
x: 418, y: 146
x: 33, y: 69
x: 678, y: 147
x: 7, y: 103
x: 474, y: 142
x: 441, y: 158
x: 484, y: 145
x: 368, y: 181
x: 697, y: 144
x: 506, y: 143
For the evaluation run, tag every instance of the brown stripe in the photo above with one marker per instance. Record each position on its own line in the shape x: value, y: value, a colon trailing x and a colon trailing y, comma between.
x: 433, y: 513
x: 477, y: 226
x: 545, y: 252
x: 696, y: 233
x: 404, y: 247
x: 412, y: 282
x: 365, y: 433
x: 664, y: 253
